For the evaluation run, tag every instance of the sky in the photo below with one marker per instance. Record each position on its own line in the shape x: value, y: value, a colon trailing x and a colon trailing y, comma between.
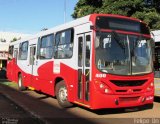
x: 31, y: 16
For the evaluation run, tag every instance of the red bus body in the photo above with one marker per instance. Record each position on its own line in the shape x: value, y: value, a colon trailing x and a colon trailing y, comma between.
x: 86, y: 84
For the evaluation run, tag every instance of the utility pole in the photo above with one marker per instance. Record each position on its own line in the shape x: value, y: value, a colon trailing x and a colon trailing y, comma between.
x: 64, y: 11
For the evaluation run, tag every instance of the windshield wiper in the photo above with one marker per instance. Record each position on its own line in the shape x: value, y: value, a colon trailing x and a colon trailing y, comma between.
x: 117, y: 39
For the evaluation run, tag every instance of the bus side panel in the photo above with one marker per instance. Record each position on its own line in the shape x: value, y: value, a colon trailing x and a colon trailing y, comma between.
x: 41, y: 79
x: 12, y: 70
x: 9, y: 70
x: 44, y: 80
x: 70, y: 77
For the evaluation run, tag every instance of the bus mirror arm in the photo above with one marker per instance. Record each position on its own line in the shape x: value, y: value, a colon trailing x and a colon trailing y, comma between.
x: 92, y: 27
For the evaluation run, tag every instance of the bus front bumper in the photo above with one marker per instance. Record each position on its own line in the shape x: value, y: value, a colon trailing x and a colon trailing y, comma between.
x: 120, y: 101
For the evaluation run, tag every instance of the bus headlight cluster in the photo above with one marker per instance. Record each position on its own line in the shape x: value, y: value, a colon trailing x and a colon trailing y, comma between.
x: 150, y: 87
x: 103, y: 87
x: 106, y: 90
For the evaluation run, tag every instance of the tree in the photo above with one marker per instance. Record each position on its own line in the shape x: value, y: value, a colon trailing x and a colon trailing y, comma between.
x: 2, y: 40
x: 44, y: 29
x: 146, y: 10
x: 15, y: 39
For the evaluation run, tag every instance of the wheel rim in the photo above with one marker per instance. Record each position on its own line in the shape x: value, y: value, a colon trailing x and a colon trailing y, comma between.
x: 63, y: 94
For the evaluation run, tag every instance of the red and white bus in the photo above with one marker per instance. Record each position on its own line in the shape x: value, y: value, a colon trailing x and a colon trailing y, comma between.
x: 98, y: 61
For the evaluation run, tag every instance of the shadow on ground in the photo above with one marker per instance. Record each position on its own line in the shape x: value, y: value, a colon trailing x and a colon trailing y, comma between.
x: 12, y: 113
x: 2, y: 80
x: 157, y: 98
x: 47, y: 113
x: 120, y: 110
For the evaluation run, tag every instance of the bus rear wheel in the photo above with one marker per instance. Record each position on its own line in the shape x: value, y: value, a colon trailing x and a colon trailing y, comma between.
x: 62, y: 94
x: 20, y: 83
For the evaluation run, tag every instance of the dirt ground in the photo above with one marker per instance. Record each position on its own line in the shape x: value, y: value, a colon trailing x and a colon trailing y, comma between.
x: 11, y: 113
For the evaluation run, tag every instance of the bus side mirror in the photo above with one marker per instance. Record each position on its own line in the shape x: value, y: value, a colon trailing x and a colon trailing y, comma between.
x: 92, y: 27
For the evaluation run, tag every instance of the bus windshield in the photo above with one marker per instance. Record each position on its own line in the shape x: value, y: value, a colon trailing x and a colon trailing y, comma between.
x: 123, y: 54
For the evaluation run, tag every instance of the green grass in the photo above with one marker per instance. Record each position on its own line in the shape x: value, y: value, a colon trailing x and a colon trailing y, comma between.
x: 11, y: 84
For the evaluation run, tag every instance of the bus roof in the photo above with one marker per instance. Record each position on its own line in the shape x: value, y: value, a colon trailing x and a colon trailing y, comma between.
x: 74, y: 23
x: 64, y: 26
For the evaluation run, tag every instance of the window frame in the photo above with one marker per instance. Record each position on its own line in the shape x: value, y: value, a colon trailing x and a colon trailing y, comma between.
x: 39, y: 46
x: 10, y: 52
x: 71, y: 43
x: 20, y: 50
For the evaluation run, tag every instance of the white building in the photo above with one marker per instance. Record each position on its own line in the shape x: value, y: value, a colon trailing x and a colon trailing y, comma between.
x: 5, y: 39
x: 156, y: 35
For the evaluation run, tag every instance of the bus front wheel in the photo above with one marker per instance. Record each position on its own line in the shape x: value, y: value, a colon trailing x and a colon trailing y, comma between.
x: 62, y: 94
x: 20, y: 83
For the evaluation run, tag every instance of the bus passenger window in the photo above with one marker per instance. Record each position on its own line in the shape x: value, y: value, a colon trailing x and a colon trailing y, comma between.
x: 10, y: 55
x: 88, y: 49
x: 46, y: 47
x: 64, y: 44
x: 80, y: 49
x: 23, y: 51
x: 15, y: 54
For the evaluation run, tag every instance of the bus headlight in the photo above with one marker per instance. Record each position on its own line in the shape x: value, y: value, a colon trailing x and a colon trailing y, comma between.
x: 106, y: 90
x: 102, y: 87
x: 150, y: 87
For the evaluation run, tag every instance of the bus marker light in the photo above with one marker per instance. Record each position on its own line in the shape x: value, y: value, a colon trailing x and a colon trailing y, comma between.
x: 150, y: 87
x: 106, y: 90
x: 31, y: 88
x: 149, y: 98
x: 71, y: 85
x: 101, y: 86
x: 152, y: 84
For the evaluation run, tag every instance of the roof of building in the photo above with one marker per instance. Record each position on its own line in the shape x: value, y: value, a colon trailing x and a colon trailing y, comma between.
x: 7, y: 37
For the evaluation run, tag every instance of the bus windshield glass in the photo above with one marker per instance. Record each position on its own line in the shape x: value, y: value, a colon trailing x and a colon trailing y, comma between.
x: 114, y: 23
x: 123, y: 54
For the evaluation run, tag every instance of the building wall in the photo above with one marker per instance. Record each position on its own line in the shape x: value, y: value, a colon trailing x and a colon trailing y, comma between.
x: 5, y: 39
x: 156, y: 35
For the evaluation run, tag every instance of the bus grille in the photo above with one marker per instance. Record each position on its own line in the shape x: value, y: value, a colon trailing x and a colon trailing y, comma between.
x: 128, y: 83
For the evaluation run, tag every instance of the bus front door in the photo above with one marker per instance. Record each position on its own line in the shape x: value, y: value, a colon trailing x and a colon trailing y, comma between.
x: 84, y: 60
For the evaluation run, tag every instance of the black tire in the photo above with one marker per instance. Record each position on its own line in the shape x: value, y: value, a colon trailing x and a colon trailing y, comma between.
x: 61, y: 94
x: 20, y: 83
x: 149, y: 106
